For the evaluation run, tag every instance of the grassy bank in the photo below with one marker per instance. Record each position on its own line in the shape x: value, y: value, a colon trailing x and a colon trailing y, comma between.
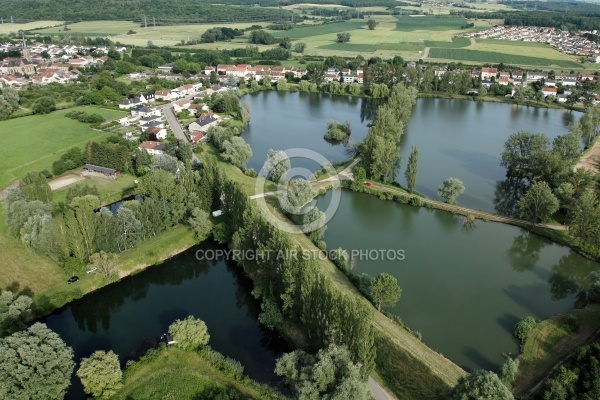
x: 44, y: 280
x: 550, y: 342
x: 172, y: 373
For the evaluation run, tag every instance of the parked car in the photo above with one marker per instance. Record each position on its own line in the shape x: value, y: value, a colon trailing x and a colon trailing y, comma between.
x: 73, y: 279
x: 367, y: 183
x: 90, y: 270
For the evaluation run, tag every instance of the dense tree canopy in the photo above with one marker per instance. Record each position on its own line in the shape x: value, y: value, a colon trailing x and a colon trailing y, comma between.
x: 101, y: 374
x: 35, y: 364
x: 330, y: 374
x: 480, y: 385
x: 190, y: 333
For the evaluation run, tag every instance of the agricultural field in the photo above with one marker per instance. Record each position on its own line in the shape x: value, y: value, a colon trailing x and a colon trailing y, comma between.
x: 404, y: 36
x: 35, y: 142
x: 92, y: 28
x: 174, y: 34
x: 480, y: 56
x: 8, y: 27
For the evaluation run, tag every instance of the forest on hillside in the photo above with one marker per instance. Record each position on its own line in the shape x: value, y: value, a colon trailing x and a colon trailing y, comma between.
x: 184, y: 11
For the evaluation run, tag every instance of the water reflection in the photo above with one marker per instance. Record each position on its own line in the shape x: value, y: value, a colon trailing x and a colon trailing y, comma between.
x: 525, y: 251
x: 572, y: 276
x: 507, y: 195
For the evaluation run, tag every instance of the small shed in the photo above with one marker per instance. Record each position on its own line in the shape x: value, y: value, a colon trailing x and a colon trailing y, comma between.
x: 217, y: 213
x: 98, y: 170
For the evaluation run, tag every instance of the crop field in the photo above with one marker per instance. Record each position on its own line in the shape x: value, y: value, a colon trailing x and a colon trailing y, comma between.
x: 456, y: 43
x: 320, y: 30
x: 429, y: 23
x: 173, y: 34
x: 35, y: 142
x: 8, y: 28
x: 93, y: 28
x: 479, y: 56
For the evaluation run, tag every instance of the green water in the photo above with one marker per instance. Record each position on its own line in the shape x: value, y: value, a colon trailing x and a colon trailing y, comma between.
x: 463, y: 289
x: 455, y: 138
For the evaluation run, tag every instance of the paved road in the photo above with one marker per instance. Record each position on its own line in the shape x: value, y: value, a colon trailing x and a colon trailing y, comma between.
x: 378, y: 392
x: 176, y: 127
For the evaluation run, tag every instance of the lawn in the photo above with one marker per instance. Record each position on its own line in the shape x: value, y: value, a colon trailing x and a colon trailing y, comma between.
x: 478, y: 56
x: 35, y: 142
x: 8, y: 28
x: 110, y: 190
x: 550, y: 343
x: 173, y: 373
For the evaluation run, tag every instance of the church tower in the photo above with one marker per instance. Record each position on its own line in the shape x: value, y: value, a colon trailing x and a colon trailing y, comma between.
x: 25, y: 52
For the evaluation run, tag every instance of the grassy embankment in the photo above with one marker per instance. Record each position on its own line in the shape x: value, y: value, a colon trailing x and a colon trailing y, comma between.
x: 172, y: 373
x: 41, y: 277
x: 33, y: 143
x: 550, y: 343
x: 408, y: 367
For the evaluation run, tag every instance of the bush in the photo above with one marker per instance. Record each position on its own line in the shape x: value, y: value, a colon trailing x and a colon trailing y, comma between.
x: 250, y: 172
x: 571, y: 322
x: 415, y: 201
x: 524, y: 327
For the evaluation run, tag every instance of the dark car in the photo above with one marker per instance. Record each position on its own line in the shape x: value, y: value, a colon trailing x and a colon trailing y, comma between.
x: 73, y: 279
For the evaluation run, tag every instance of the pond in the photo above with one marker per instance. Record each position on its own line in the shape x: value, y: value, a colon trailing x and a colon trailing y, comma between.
x: 130, y: 316
x: 463, y: 289
x: 455, y: 138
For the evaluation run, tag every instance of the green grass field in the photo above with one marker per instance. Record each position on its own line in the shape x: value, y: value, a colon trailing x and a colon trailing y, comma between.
x: 320, y: 30
x: 172, y: 373
x: 478, y: 56
x: 35, y: 142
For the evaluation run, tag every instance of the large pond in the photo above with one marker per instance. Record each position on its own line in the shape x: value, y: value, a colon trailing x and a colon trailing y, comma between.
x: 463, y: 289
x: 458, y: 138
x: 130, y: 316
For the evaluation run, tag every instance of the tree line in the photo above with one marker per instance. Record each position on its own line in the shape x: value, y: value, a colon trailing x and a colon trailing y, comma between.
x: 380, y: 151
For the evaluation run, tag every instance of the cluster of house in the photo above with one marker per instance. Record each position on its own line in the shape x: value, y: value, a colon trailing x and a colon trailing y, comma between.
x: 563, y: 41
x: 149, y: 117
x: 59, y: 66
x: 247, y: 72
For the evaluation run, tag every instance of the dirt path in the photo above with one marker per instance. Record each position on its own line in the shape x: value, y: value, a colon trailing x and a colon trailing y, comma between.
x: 65, y: 181
x: 425, y: 54
x: 539, y: 384
x: 591, y: 160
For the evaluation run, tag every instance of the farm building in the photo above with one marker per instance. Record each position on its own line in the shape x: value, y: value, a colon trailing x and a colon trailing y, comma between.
x: 98, y: 170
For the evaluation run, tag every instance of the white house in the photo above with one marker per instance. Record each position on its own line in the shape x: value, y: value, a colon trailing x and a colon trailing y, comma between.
x: 129, y: 103
x: 181, y: 105
x: 153, y: 147
x: 162, y: 95
x: 159, y: 133
x: 548, y: 91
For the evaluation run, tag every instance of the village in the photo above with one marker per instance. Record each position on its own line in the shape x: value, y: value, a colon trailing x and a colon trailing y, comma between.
x: 564, y: 41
